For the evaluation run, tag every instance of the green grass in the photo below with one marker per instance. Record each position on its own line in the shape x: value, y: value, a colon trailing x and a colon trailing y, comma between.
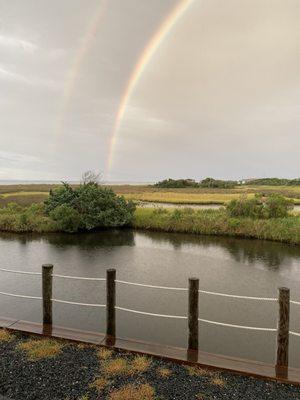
x: 217, y: 222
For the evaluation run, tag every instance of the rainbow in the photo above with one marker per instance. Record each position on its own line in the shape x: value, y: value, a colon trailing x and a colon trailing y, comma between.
x: 148, y: 52
x: 76, y: 64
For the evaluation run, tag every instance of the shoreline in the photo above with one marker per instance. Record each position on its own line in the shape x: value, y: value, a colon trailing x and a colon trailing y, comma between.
x: 209, y: 222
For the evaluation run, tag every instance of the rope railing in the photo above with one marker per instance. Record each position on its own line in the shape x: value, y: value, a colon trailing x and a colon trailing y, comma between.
x: 294, y: 333
x: 82, y: 278
x: 21, y: 296
x: 295, y: 302
x: 78, y: 304
x: 151, y: 286
x: 151, y: 314
x: 192, y: 316
x: 235, y: 296
x: 252, y: 328
x: 20, y: 272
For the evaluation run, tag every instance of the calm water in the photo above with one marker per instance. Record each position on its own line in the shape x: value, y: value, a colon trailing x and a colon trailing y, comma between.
x: 253, y: 268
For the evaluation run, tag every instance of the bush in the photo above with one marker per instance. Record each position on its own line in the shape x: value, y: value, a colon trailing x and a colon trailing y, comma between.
x: 67, y: 218
x: 217, y: 183
x: 259, y: 207
x: 87, y: 207
x: 176, y: 183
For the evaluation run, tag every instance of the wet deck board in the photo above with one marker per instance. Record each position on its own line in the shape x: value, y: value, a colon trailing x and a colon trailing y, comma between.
x: 175, y: 354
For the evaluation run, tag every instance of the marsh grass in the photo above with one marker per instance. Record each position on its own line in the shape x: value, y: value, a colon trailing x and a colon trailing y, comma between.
x: 37, y: 349
x: 118, y: 366
x: 104, y: 353
x: 217, y: 381
x: 5, y: 336
x: 100, y: 383
x: 132, y: 392
x: 123, y: 366
x: 139, y: 364
x: 164, y: 372
x: 197, y: 371
x: 217, y: 222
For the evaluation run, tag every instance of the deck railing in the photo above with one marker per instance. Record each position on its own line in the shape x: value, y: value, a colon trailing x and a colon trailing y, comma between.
x: 192, y: 317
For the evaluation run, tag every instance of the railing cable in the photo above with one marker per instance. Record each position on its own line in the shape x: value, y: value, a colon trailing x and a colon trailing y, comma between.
x: 78, y: 277
x: 150, y: 286
x: 151, y: 314
x: 20, y: 296
x: 238, y: 297
x: 78, y: 304
x: 253, y: 328
x: 20, y: 272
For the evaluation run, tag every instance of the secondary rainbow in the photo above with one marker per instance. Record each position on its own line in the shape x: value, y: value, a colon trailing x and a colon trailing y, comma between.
x: 149, y: 51
x: 77, y: 62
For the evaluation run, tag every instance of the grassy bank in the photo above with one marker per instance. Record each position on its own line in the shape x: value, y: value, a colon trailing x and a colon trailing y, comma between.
x: 217, y: 222
x: 205, y: 222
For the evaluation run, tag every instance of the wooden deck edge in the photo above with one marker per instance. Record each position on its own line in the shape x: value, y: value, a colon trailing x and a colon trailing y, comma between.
x: 174, y: 354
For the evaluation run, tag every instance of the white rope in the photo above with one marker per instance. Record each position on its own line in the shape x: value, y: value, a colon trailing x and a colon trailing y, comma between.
x: 294, y: 333
x: 78, y: 277
x: 200, y: 291
x: 239, y: 297
x: 295, y: 302
x: 20, y: 272
x: 151, y: 286
x: 21, y: 296
x: 151, y: 314
x: 78, y: 304
x: 237, y: 326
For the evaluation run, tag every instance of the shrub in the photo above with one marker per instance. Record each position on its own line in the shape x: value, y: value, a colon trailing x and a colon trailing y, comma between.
x: 67, y: 218
x: 87, y: 207
x: 177, y: 183
x: 274, y: 206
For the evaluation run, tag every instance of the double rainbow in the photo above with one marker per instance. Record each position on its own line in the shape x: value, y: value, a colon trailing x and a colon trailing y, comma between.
x: 148, y: 52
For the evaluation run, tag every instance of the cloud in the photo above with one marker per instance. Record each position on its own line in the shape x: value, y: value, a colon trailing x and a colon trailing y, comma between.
x: 15, y: 43
x: 12, y: 158
x: 7, y: 75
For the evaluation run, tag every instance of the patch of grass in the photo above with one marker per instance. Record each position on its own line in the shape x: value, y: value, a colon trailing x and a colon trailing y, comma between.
x: 140, y: 364
x: 99, y: 384
x: 197, y: 371
x: 117, y: 366
x: 5, y: 336
x: 132, y: 392
x: 164, y: 372
x: 217, y: 381
x: 36, y: 349
x: 104, y: 353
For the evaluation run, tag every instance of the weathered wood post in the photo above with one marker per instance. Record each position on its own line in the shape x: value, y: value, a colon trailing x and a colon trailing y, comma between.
x: 47, y: 270
x: 283, y: 328
x: 193, y: 313
x: 111, y: 302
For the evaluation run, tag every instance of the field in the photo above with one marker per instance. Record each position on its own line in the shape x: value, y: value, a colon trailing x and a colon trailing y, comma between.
x: 28, y: 194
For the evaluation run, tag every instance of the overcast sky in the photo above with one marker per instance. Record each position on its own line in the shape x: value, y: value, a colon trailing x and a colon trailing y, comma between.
x: 220, y: 96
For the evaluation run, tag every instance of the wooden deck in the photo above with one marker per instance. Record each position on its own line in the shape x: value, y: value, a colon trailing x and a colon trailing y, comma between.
x: 178, y: 355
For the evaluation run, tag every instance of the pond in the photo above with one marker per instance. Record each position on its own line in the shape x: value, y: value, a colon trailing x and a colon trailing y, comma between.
x: 228, y: 265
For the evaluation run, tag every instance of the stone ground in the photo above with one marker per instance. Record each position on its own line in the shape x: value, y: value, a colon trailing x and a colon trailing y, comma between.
x: 33, y: 368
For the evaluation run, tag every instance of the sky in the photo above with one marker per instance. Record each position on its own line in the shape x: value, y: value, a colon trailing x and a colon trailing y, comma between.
x: 143, y: 90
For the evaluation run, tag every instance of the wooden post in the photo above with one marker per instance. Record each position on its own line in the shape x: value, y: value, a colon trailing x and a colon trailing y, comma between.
x: 193, y: 313
x: 283, y: 328
x: 47, y: 293
x: 111, y: 302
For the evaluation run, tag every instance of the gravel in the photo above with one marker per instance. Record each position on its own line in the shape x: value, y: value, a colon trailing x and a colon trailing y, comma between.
x: 68, y: 376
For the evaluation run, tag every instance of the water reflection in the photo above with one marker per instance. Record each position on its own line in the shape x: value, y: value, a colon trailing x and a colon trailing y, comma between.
x: 270, y: 254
